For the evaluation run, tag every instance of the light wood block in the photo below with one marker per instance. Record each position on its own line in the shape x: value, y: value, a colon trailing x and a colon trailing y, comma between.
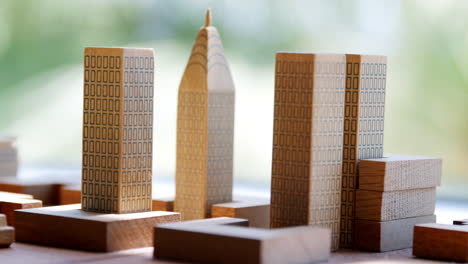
x: 9, y: 205
x: 388, y: 235
x: 205, y: 128
x: 45, y: 190
x: 258, y: 213
x: 308, y: 141
x: 361, y: 140
x: 69, y: 227
x: 398, y: 172
x: 216, y: 241
x: 117, y: 130
x: 7, y: 236
x: 461, y: 222
x: 385, y: 206
x: 443, y: 242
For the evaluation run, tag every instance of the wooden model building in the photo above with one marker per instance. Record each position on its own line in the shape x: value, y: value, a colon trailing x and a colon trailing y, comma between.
x: 205, y: 128
x: 363, y: 128
x: 117, y: 130
x: 308, y: 141
x: 7, y: 233
x: 8, y: 157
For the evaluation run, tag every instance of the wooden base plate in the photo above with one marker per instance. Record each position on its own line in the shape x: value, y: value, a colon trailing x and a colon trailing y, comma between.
x: 69, y: 227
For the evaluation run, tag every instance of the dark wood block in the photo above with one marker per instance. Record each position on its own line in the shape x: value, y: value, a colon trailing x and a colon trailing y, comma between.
x: 460, y: 222
x: 443, y: 242
x: 70, y: 227
x: 217, y: 240
x: 388, y: 235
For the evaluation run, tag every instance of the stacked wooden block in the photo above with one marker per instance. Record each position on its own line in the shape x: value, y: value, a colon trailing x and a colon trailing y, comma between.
x: 8, y: 157
x: 394, y: 194
x: 7, y: 233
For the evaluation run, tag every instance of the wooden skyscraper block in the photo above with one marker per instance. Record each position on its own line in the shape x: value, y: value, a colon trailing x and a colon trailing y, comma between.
x: 205, y: 128
x: 117, y: 130
x: 363, y: 128
x: 308, y: 141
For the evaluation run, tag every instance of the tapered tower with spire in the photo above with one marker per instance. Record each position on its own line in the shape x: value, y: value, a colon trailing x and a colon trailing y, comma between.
x: 205, y: 128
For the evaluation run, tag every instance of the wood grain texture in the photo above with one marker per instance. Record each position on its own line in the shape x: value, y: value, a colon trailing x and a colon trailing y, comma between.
x: 308, y: 141
x: 385, y: 206
x: 3, y: 220
x: 42, y: 189
x: 215, y: 241
x: 163, y: 204
x: 69, y: 227
x: 443, y: 242
x: 258, y: 213
x: 363, y: 128
x: 117, y: 130
x: 205, y: 128
x: 70, y: 194
x: 398, y: 172
x: 388, y: 235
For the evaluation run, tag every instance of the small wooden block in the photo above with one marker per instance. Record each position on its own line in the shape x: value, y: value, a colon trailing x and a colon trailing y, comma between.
x: 216, y: 241
x: 386, y: 206
x: 396, y: 172
x: 460, y: 222
x: 70, y: 227
x: 443, y: 242
x: 44, y: 190
x: 3, y: 220
x: 388, y: 235
x: 163, y: 204
x: 70, y: 194
x: 7, y: 236
x: 258, y: 213
x: 8, y: 207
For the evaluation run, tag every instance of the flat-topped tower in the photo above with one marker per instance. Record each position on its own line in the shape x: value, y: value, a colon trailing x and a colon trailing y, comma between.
x: 205, y: 128
x: 117, y: 130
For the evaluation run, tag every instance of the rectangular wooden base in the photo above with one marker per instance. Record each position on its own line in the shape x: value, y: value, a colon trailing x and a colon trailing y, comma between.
x: 388, y: 235
x: 442, y: 242
x: 222, y: 240
x: 257, y: 212
x: 69, y: 227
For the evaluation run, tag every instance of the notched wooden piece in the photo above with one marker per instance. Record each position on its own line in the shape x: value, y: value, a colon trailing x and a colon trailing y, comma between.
x: 222, y: 240
x: 257, y: 212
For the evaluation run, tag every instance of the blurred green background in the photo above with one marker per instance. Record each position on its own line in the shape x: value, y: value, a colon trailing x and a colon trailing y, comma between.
x: 41, y: 47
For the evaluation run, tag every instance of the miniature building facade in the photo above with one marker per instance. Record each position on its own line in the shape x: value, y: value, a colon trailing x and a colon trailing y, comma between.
x: 117, y: 130
x: 308, y: 141
x: 205, y: 128
x: 363, y: 128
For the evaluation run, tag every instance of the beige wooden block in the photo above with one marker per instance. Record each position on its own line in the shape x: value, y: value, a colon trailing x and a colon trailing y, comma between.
x: 308, y: 141
x: 385, y: 206
x: 398, y: 172
x: 42, y: 189
x: 363, y: 128
x: 388, y: 235
x: 443, y: 242
x: 9, y: 205
x: 69, y: 227
x: 216, y: 241
x: 117, y: 130
x: 258, y: 213
x: 205, y: 128
x: 3, y: 220
x: 7, y: 236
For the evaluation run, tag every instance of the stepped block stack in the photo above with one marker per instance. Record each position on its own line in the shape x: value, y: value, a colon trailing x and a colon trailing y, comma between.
x: 394, y: 194
x: 8, y: 157
x: 7, y: 233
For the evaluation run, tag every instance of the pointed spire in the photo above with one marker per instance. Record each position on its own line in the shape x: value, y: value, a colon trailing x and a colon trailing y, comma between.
x: 208, y: 17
